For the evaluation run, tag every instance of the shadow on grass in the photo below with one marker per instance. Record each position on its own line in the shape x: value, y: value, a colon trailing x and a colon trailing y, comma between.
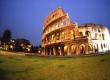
x: 28, y: 69
x: 102, y: 60
x: 61, y: 66
x: 1, y: 61
x: 83, y: 63
x: 2, y: 74
x: 11, y: 57
x: 14, y: 58
x: 40, y: 79
x: 18, y: 59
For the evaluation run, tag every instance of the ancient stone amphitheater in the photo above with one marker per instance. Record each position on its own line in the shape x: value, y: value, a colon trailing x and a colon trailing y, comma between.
x: 62, y: 37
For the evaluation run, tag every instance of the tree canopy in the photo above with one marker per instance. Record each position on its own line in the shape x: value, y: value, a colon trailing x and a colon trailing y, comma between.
x: 6, y: 37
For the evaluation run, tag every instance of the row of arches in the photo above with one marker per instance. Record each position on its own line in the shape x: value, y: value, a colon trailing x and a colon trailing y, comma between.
x: 59, y: 36
x: 87, y: 33
x: 67, y: 50
x: 55, y: 26
x: 97, y: 35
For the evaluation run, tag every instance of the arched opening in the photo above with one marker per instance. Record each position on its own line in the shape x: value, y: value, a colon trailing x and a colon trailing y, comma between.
x: 58, y: 36
x: 103, y: 37
x: 100, y: 37
x: 63, y: 35
x: 58, y: 24
x: 101, y: 47
x: 81, y: 34
x: 46, y: 40
x: 48, y: 52
x: 96, y: 48
x: 53, y: 37
x: 87, y: 33
x: 99, y: 30
x: 96, y: 36
x: 65, y: 50
x: 73, y: 49
x: 45, y: 51
x: 58, y: 50
x: 72, y: 34
x: 64, y: 22
x: 82, y: 49
x: 90, y: 48
x: 52, y: 51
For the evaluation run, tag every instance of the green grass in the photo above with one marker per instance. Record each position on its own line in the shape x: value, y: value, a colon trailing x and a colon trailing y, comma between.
x: 55, y: 68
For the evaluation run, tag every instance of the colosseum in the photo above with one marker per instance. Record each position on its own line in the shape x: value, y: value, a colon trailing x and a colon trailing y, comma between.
x: 60, y: 36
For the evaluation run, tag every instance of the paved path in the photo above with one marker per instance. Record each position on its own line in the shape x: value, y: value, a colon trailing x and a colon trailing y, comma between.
x: 12, y: 53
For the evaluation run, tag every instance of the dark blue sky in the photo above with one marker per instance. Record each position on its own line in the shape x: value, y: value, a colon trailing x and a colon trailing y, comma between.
x: 25, y: 17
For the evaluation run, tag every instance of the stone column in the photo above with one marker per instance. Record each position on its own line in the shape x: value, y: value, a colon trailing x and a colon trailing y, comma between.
x: 77, y: 49
x: 43, y: 53
x: 60, y: 50
x: 47, y: 52
x: 86, y: 48
x: 69, y: 51
x: 55, y: 38
x: 50, y: 51
x: 67, y: 34
x: 54, y: 50
x: 60, y: 34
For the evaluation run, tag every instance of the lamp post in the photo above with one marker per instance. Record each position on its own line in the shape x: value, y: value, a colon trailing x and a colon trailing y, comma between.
x: 12, y: 44
x: 11, y: 47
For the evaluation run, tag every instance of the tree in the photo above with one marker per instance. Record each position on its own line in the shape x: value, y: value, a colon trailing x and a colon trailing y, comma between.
x: 6, y: 37
x: 39, y: 46
x: 34, y: 49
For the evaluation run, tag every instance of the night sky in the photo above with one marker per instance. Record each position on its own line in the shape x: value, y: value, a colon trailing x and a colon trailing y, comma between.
x: 25, y: 17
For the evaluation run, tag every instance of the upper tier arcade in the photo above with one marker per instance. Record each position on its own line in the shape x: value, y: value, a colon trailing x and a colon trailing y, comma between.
x: 53, y: 16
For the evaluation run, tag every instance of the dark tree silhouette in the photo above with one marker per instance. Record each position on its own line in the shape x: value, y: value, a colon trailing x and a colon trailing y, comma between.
x: 39, y: 46
x: 6, y: 37
x: 34, y: 49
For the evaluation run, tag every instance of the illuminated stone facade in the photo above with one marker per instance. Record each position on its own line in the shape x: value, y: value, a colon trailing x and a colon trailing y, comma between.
x: 61, y: 37
x: 97, y: 35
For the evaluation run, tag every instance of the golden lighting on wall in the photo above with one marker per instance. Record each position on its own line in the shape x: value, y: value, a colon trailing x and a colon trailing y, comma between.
x: 65, y: 49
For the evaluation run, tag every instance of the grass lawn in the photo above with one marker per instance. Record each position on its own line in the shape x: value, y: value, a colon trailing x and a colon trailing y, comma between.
x: 55, y: 68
